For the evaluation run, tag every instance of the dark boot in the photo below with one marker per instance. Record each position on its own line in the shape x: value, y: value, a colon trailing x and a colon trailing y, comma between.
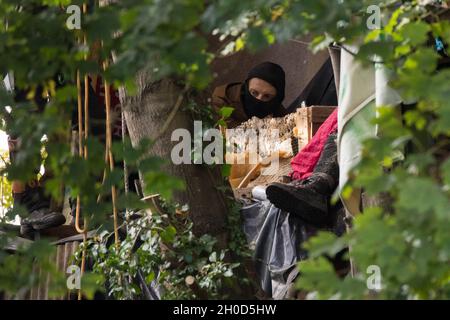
x: 32, y: 198
x: 310, y: 198
x: 38, y: 205
x: 43, y: 219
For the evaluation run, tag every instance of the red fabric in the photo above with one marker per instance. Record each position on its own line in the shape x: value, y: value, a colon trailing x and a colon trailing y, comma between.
x: 304, y: 162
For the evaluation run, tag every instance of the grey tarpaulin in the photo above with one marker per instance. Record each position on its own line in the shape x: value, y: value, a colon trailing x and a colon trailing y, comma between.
x: 276, y: 237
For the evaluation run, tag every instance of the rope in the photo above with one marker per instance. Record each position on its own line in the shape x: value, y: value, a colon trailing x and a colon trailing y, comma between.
x: 80, y: 150
x: 83, y: 153
x: 110, y: 155
x: 125, y: 166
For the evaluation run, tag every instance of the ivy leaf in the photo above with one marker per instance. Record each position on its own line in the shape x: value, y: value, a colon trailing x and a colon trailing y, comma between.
x: 168, y: 235
x: 150, y: 277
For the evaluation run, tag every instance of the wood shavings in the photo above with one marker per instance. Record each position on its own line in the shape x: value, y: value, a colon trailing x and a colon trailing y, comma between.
x: 263, y: 136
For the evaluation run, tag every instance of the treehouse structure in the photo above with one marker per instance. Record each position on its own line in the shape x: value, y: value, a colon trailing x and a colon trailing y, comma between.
x: 306, y: 74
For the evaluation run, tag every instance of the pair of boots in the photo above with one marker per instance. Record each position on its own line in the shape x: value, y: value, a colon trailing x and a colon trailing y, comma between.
x: 40, y: 215
x: 310, y: 198
x: 33, y: 198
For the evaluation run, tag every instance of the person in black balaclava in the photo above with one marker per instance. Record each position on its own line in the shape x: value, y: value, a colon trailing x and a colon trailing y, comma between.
x: 263, y: 90
x: 260, y: 95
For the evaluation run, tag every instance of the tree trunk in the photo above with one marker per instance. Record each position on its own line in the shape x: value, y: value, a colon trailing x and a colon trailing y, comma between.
x: 145, y: 115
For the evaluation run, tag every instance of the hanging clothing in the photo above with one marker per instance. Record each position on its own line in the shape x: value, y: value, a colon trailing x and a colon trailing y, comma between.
x: 320, y: 91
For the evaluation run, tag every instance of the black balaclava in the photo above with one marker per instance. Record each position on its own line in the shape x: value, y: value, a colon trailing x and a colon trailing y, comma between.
x: 271, y: 73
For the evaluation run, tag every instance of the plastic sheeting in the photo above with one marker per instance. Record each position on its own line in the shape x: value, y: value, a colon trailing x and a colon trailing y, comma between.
x: 276, y: 237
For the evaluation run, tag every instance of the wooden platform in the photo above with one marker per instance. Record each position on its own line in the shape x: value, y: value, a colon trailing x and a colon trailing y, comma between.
x: 270, y: 175
x: 66, y: 241
x: 59, y: 232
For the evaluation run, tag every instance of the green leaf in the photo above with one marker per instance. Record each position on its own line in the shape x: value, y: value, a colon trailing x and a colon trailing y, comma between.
x: 91, y: 283
x: 422, y: 195
x: 423, y: 60
x: 150, y: 277
x: 169, y: 233
x: 221, y: 122
x: 318, y: 275
x: 445, y: 171
x: 325, y: 243
x: 226, y: 112
x: 226, y: 170
x: 415, y: 33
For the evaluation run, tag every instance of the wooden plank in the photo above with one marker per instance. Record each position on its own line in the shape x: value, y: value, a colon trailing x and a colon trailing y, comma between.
x: 61, y: 258
x: 59, y: 262
x: 308, y: 121
x: 15, y: 243
x: 73, y: 246
x: 34, y: 290
x: 45, y: 278
x: 59, y: 232
x: 273, y: 174
x: 78, y: 237
x: 39, y: 288
x: 321, y: 113
x: 67, y: 255
x: 47, y: 281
